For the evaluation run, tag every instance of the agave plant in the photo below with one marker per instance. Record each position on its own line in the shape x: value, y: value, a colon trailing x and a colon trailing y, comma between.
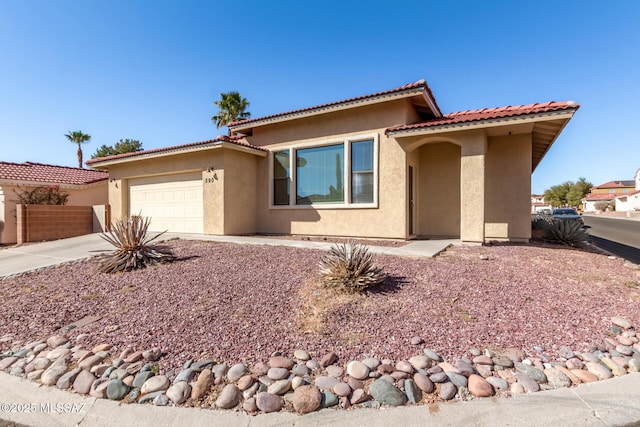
x: 567, y: 232
x: 350, y: 268
x: 133, y: 248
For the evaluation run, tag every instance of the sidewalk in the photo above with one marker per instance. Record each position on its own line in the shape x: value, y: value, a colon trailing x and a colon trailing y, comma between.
x: 614, y: 402
x: 20, y: 259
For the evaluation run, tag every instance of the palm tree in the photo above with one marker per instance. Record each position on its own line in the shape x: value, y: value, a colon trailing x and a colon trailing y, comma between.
x: 79, y: 138
x: 231, y: 107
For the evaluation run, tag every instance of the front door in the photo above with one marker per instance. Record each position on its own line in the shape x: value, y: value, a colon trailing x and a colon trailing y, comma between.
x: 411, y: 198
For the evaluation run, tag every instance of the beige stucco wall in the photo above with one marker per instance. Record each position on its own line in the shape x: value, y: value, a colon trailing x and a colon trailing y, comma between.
x: 439, y: 190
x: 94, y: 194
x: 240, y: 190
x: 387, y: 220
x: 508, y: 183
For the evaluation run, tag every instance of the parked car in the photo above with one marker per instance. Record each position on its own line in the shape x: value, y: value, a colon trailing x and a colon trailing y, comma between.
x: 567, y: 214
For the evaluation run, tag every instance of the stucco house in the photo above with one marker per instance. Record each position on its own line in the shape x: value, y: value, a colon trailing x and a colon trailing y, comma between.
x: 607, y: 192
x: 85, y: 188
x: 630, y: 201
x: 384, y: 165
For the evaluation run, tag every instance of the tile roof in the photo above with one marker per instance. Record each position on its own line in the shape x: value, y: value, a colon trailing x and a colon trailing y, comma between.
x: 603, y: 196
x: 489, y: 114
x: 215, y: 141
x: 416, y: 86
x: 617, y: 184
x: 49, y: 174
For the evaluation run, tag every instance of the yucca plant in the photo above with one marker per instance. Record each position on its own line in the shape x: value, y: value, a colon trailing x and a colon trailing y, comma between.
x: 133, y: 248
x: 349, y: 267
x: 567, y: 232
x: 539, y: 225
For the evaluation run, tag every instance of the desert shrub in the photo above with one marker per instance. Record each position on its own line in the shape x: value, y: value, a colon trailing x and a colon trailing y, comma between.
x: 539, y: 225
x: 51, y: 195
x: 133, y: 248
x: 350, y: 268
x: 567, y: 232
x: 604, y: 205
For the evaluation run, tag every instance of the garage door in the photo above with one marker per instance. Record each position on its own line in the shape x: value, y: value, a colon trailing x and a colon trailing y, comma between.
x: 173, y: 202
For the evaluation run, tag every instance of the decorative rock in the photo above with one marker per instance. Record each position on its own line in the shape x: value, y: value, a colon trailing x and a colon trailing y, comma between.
x: 588, y: 357
x: 342, y: 389
x: 58, y: 353
x: 149, y: 397
x: 416, y: 340
x: 423, y: 382
x: 53, y: 374
x: 503, y: 361
x: 301, y: 355
x: 101, y: 347
x: 404, y: 366
x: 599, y: 370
x: 90, y: 362
x: 357, y: 370
x: 56, y: 341
x: 334, y: 371
x: 184, y: 375
x: 572, y: 377
x: 448, y: 391
x: 201, y: 365
x: 219, y: 371
x: 7, y: 361
x: 268, y: 402
x: 328, y: 359
x: 485, y: 370
x: 616, y: 369
x: 440, y: 377
x: 446, y: 367
x: 482, y: 360
x: 498, y: 383
x: 621, y: 339
x: 527, y: 382
x: 116, y: 389
x: 35, y: 375
x: 297, y: 382
x: 141, y: 378
x: 385, y: 393
x: 457, y: 379
x: 556, y: 378
x: 634, y: 365
x: 371, y: 362
x: 479, y: 387
x: 279, y: 387
x: 420, y: 362
x: 432, y: 355
x: 464, y: 368
x: 584, y: 376
x: 534, y: 373
x: 517, y: 388
x: 245, y: 382
x: 278, y: 373
x: 202, y: 385
x: 99, y: 388
x: 412, y: 391
x: 574, y: 363
x: 156, y: 383
x: 301, y: 370
x: 65, y: 381
x: 399, y: 375
x: 152, y: 355
x: 281, y: 362
x: 179, y: 392
x: 618, y: 321
x: 83, y: 381
x: 229, y: 397
x: 565, y: 352
x: 354, y: 383
x: 161, y: 400
x: 251, y: 391
x: 306, y: 399
x: 358, y: 396
x: 326, y: 383
x: 624, y: 349
x: 249, y: 405
x: 328, y: 399
x: 313, y: 364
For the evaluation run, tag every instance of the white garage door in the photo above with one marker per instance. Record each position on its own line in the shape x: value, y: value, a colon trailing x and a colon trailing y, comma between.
x: 173, y: 202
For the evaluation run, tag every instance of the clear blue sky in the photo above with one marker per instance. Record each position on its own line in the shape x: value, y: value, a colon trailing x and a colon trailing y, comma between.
x: 150, y: 70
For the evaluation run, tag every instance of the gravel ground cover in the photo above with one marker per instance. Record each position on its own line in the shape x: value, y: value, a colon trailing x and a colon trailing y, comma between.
x: 240, y: 303
x: 323, y: 239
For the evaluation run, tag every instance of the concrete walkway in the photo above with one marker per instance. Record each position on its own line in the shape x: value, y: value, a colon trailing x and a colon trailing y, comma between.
x: 614, y: 402
x: 20, y: 259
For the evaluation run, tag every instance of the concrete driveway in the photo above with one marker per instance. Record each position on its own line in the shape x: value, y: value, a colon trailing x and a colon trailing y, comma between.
x: 18, y: 259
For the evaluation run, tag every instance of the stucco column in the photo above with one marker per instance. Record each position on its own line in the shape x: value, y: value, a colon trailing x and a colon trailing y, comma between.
x: 472, y: 187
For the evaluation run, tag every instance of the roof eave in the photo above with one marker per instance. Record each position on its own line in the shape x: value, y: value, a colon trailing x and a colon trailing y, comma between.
x: 407, y: 93
x: 69, y: 186
x: 483, y: 124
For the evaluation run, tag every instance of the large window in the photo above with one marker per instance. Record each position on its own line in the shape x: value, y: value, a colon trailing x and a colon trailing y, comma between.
x: 339, y: 174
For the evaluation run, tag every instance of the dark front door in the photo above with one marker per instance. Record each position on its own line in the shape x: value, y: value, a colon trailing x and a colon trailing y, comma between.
x: 411, y: 200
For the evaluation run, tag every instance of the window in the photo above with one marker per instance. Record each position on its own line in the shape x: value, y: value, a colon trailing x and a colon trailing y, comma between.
x: 281, y: 181
x: 362, y: 172
x: 335, y: 174
x: 319, y: 175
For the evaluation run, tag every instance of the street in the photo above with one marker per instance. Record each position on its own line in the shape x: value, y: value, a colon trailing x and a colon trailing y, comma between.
x: 621, y: 237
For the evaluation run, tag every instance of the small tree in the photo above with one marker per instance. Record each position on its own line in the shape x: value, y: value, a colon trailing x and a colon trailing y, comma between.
x: 51, y: 195
x: 568, y: 193
x: 121, y: 147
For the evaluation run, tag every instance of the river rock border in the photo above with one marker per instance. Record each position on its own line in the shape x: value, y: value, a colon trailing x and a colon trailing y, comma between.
x: 301, y: 383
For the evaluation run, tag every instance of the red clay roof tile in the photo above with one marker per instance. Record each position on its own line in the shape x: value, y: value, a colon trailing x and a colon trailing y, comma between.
x: 488, y: 114
x: 617, y: 184
x: 219, y: 138
x: 420, y: 84
x: 49, y: 174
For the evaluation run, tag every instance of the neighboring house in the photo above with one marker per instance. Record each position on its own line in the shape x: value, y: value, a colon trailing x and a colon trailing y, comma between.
x: 86, y: 187
x: 630, y: 201
x: 385, y: 165
x: 607, y: 192
x: 538, y: 204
